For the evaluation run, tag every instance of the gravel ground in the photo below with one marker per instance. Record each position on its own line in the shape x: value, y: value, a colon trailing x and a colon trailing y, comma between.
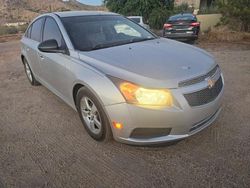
x: 43, y: 144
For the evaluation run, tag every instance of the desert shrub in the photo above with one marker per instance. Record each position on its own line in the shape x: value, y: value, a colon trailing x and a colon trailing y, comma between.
x: 8, y: 30
x: 12, y: 30
x: 22, y: 28
x: 236, y: 14
x: 5, y: 30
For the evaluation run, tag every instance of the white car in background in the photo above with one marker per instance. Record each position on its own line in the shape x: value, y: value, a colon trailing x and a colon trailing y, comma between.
x: 139, y: 20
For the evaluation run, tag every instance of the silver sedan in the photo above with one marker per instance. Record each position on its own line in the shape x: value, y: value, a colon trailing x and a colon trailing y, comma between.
x: 125, y: 82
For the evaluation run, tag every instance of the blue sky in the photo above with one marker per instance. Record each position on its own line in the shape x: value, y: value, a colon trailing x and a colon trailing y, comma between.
x: 91, y: 2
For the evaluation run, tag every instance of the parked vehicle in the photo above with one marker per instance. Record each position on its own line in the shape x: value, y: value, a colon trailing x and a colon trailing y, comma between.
x: 123, y: 80
x: 139, y: 20
x: 182, y: 27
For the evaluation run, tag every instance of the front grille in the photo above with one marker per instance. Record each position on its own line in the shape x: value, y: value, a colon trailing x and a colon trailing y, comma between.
x: 204, y: 96
x: 198, y: 79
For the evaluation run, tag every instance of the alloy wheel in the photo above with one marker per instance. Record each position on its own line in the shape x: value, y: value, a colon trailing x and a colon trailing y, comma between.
x: 91, y: 115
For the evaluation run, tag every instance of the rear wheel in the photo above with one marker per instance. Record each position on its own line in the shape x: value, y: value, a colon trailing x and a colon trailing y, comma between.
x: 29, y: 73
x: 192, y: 42
x: 92, y: 115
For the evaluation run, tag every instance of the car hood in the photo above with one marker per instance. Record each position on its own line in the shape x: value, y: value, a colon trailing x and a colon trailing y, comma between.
x: 159, y: 63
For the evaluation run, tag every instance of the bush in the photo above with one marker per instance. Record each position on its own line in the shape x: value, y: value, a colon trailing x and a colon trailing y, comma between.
x: 12, y: 30
x: 158, y: 17
x: 22, y: 28
x: 236, y: 13
x: 5, y: 30
x: 182, y: 8
x: 154, y: 11
x: 210, y: 10
x: 8, y: 30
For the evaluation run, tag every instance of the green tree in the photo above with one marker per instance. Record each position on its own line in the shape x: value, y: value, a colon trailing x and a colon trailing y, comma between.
x: 236, y: 11
x: 154, y: 11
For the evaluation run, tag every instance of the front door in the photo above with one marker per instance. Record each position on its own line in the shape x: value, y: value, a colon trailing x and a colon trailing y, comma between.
x: 55, y: 67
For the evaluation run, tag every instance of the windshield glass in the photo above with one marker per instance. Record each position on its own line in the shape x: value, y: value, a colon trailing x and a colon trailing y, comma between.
x: 95, y: 32
x: 136, y: 20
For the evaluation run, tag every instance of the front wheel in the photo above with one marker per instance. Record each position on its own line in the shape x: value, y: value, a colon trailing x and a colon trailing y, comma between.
x: 92, y: 115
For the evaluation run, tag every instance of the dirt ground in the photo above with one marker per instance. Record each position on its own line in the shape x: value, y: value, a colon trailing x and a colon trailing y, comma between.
x: 43, y: 144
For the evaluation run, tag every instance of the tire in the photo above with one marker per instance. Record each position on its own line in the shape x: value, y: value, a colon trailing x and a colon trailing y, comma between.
x: 192, y: 42
x: 163, y: 33
x: 30, y: 74
x: 94, y: 119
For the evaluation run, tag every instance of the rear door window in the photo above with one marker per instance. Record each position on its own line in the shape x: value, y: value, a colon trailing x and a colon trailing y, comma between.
x: 37, y: 30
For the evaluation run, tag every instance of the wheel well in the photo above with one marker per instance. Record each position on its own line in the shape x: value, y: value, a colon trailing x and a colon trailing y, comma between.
x: 75, y: 90
x: 22, y: 57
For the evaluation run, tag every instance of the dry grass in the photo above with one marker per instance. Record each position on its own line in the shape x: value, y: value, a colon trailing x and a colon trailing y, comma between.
x: 224, y: 34
x: 7, y: 38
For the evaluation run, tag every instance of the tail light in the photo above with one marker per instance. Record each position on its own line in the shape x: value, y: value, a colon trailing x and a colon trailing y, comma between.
x: 166, y: 26
x: 195, y: 24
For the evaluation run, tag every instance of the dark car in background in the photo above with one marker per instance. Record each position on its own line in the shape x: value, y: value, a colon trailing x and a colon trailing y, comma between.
x: 184, y: 26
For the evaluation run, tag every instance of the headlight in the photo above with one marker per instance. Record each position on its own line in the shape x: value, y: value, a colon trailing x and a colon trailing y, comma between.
x: 142, y: 96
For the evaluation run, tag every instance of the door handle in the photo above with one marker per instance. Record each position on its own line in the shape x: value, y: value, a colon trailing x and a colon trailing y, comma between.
x: 41, y: 56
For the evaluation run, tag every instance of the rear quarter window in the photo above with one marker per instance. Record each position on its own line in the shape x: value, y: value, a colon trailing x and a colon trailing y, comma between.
x: 136, y: 20
x: 28, y: 32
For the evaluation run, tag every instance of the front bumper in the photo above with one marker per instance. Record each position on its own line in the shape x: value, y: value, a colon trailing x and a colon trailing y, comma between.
x: 182, y: 119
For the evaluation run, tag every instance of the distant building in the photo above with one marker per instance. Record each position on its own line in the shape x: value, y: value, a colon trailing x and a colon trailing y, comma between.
x: 15, y: 24
x: 196, y: 4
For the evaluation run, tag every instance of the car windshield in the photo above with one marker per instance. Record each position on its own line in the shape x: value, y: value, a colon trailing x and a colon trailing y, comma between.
x: 96, y: 32
x: 136, y: 20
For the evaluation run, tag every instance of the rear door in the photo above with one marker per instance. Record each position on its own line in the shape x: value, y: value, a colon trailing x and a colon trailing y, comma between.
x: 31, y: 40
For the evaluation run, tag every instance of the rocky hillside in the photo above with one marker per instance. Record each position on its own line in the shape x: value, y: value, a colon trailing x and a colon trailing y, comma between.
x: 26, y: 10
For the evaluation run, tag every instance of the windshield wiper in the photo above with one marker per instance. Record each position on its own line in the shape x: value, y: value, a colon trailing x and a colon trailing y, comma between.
x: 107, y: 45
x: 117, y: 43
x: 137, y: 39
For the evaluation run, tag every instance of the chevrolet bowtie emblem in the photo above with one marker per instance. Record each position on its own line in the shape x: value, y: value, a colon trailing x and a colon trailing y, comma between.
x: 210, y: 83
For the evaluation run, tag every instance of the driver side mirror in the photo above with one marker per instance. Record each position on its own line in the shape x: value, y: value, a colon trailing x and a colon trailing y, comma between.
x: 50, y: 46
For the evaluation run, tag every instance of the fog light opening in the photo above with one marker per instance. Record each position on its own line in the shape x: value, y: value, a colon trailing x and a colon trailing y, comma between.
x: 117, y: 125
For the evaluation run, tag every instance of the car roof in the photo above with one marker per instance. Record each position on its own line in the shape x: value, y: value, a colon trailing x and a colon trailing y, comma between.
x: 83, y: 13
